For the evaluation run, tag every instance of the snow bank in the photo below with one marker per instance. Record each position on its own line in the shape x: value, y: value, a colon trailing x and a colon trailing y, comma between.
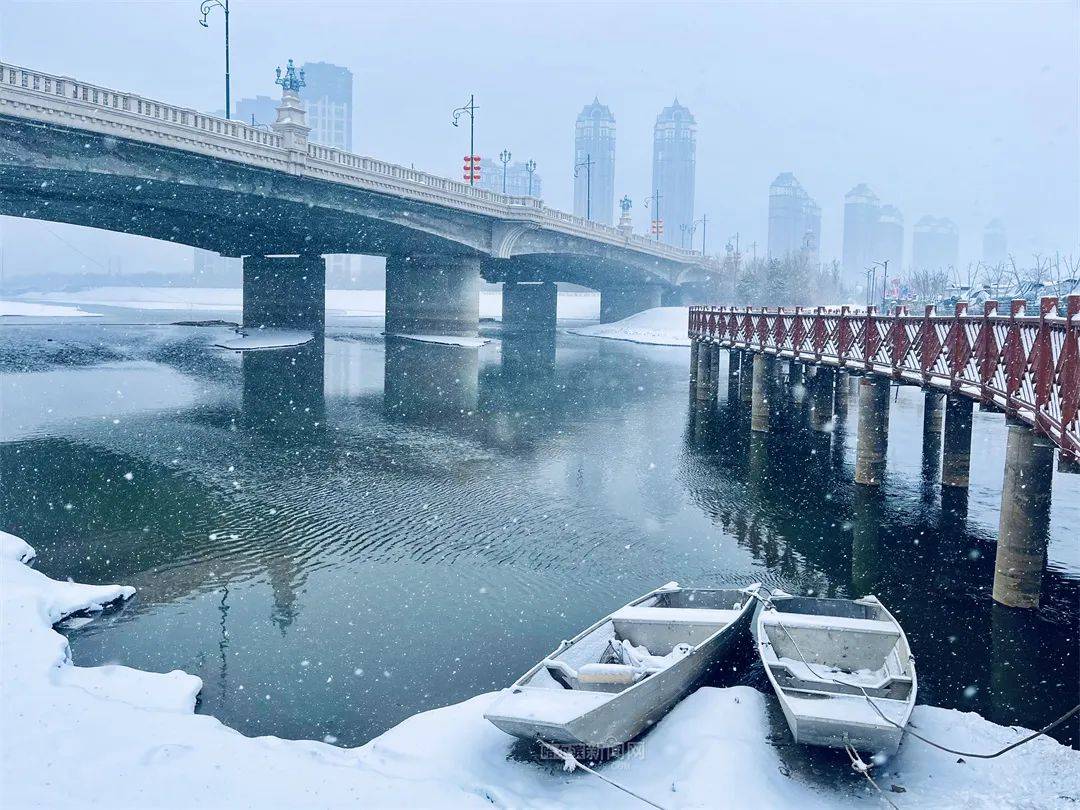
x: 29, y: 309
x: 259, y: 339
x: 448, y: 340
x: 661, y: 326
x: 108, y: 737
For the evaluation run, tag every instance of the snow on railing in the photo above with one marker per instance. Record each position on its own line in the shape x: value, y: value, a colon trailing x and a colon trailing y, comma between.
x: 1029, y: 366
x: 358, y: 166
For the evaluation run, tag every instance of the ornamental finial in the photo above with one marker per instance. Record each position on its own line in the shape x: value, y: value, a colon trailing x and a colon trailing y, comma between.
x: 625, y: 204
x: 291, y: 82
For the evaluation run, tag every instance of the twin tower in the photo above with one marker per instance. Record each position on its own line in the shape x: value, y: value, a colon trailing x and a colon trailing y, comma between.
x: 671, y: 206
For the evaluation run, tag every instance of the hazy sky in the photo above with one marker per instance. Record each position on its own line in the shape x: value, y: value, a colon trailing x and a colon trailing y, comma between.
x: 961, y: 109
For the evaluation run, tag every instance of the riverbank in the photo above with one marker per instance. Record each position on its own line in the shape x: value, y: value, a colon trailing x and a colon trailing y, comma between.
x: 114, y: 736
x: 661, y: 326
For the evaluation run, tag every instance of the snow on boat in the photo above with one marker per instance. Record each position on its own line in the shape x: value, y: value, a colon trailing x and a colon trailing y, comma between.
x: 616, y: 679
x: 842, y: 670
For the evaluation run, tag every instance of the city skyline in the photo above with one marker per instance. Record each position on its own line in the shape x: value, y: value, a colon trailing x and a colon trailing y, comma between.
x: 674, y: 173
x: 594, y: 163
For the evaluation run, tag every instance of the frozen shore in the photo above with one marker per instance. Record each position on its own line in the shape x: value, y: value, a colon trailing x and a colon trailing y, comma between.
x: 117, y: 737
x: 661, y: 326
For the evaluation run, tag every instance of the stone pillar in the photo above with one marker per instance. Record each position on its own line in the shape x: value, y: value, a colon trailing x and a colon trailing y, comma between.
x: 763, y: 384
x: 795, y: 372
x: 617, y: 303
x: 956, y: 459
x: 714, y: 371
x: 703, y: 391
x: 746, y: 377
x: 842, y: 393
x: 734, y: 360
x: 287, y: 292
x: 1025, y: 517
x: 432, y: 295
x: 529, y: 307
x: 693, y: 362
x: 932, y: 429
x: 822, y: 400
x: 873, y: 438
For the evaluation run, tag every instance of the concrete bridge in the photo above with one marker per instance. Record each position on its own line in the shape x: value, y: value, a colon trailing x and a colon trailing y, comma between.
x: 88, y: 155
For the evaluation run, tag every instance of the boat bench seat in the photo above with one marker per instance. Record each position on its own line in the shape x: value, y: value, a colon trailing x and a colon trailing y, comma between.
x: 807, y: 621
x: 659, y: 629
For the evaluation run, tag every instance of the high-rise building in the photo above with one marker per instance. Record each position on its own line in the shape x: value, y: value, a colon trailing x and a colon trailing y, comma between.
x: 889, y: 238
x: 935, y: 244
x: 674, y: 162
x: 517, y: 178
x: 594, y: 141
x: 794, y: 220
x: 861, y: 212
x: 260, y: 110
x: 995, y: 247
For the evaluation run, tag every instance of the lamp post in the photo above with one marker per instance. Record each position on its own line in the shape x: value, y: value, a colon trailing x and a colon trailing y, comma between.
x: 654, y: 203
x: 530, y: 167
x: 683, y: 228
x: 884, y: 265
x: 470, y: 110
x: 504, y: 158
x: 587, y: 164
x: 703, y: 222
x: 871, y: 283
x: 206, y: 7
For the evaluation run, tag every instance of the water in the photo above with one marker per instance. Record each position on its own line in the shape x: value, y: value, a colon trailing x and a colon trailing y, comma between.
x: 339, y: 536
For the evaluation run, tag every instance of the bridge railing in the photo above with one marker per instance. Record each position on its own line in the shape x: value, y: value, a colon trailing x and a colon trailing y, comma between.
x: 161, y: 119
x: 1028, y: 366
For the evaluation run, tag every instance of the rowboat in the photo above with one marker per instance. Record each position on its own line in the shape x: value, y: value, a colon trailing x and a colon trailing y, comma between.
x: 841, y: 669
x: 616, y: 679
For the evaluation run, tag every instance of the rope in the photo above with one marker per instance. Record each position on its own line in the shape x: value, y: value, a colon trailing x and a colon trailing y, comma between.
x: 859, y: 766
x: 570, y: 763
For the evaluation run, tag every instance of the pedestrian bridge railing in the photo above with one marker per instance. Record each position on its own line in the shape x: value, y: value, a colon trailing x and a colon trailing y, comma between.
x: 1028, y: 366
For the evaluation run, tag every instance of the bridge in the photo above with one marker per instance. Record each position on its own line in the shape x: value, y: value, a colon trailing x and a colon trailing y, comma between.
x: 1027, y: 367
x: 78, y: 153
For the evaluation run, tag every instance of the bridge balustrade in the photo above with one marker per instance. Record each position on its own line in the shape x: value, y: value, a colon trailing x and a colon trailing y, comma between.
x: 1028, y: 366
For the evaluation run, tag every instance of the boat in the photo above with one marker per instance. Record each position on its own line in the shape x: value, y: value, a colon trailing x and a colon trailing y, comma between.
x: 616, y: 679
x: 841, y: 669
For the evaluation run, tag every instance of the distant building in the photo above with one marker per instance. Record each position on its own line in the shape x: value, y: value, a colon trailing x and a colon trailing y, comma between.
x: 214, y: 270
x: 889, y: 238
x: 794, y: 220
x: 594, y: 139
x: 674, y: 163
x: 935, y: 244
x: 995, y: 247
x: 517, y: 178
x: 260, y: 110
x: 861, y: 213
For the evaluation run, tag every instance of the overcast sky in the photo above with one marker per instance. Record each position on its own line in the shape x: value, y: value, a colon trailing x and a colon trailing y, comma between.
x: 962, y: 109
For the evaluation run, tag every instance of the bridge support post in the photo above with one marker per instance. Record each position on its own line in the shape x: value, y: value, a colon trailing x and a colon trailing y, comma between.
x: 746, y: 377
x: 795, y: 372
x: 287, y: 292
x: 714, y: 371
x: 956, y: 460
x: 873, y: 440
x: 734, y: 358
x: 842, y: 393
x: 933, y: 427
x: 704, y: 372
x: 432, y: 295
x: 1025, y: 517
x: 693, y: 363
x: 822, y: 400
x: 529, y: 307
x: 617, y: 303
x: 764, y: 380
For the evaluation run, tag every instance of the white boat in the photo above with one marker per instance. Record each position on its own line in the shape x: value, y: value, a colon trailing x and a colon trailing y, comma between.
x: 842, y: 670
x: 616, y: 679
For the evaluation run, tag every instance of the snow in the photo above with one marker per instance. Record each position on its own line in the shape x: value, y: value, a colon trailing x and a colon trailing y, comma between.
x: 448, y: 340
x: 29, y: 309
x: 660, y: 326
x: 107, y: 737
x: 258, y: 339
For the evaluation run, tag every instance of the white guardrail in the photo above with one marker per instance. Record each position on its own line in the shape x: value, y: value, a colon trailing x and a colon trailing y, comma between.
x: 58, y: 99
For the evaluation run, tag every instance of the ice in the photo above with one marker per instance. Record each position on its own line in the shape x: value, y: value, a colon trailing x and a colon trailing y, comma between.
x: 261, y: 339
x: 448, y: 340
x: 29, y: 309
x: 661, y: 326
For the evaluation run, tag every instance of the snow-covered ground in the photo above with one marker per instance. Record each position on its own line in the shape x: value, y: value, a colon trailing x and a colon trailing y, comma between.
x: 661, y: 326
x: 31, y: 309
x: 258, y: 339
x: 111, y: 736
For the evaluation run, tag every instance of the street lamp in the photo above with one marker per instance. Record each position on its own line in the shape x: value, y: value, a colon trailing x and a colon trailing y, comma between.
x: 530, y: 167
x: 504, y: 158
x: 884, y: 265
x: 683, y: 227
x: 206, y: 7
x: 587, y: 164
x: 654, y: 203
x: 470, y: 110
x: 703, y: 222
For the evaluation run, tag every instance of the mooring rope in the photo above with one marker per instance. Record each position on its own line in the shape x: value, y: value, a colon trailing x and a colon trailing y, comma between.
x: 570, y: 763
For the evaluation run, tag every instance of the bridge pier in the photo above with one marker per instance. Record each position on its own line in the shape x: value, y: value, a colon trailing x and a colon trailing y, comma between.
x: 704, y: 372
x: 795, y: 372
x: 693, y: 363
x: 873, y: 437
x: 286, y: 292
x: 1025, y: 517
x: 842, y: 392
x: 529, y: 307
x: 956, y: 459
x: 617, y: 303
x: 734, y: 360
x: 714, y: 371
x: 822, y: 398
x: 432, y: 295
x: 746, y: 377
x: 933, y: 427
x: 764, y: 381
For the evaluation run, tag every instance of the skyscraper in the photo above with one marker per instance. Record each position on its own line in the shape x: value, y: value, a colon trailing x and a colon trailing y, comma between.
x: 261, y: 110
x: 935, y: 244
x: 995, y: 244
x: 674, y: 161
x: 794, y: 220
x: 861, y: 212
x: 594, y: 139
x: 328, y: 96
x: 889, y: 238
